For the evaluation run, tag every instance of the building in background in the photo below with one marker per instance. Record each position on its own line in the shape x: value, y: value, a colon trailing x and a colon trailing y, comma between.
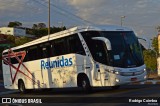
x: 13, y: 31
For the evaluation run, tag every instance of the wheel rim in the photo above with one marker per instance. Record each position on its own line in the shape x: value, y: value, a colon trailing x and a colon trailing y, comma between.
x: 21, y: 87
x: 83, y: 83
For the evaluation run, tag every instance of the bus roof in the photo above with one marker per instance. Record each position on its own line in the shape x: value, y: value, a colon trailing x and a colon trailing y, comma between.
x: 70, y: 31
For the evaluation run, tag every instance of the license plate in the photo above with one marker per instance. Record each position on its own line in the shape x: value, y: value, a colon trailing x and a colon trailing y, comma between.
x: 133, y: 79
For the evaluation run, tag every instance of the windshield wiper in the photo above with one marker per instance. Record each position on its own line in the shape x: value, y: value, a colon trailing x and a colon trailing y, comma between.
x: 134, y: 56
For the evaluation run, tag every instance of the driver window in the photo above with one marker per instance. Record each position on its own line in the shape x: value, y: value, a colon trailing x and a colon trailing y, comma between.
x: 99, y: 51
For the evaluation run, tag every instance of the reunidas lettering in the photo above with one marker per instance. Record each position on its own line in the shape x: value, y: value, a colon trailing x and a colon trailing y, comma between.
x: 56, y: 63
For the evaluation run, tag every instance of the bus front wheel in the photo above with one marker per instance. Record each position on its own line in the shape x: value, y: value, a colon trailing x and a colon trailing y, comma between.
x: 86, y: 85
x: 21, y: 86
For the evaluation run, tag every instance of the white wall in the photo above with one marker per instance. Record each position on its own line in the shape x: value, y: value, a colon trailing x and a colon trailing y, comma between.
x: 6, y: 30
x: 19, y: 32
x: 12, y: 31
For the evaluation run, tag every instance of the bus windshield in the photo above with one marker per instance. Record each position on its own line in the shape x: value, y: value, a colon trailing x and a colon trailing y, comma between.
x: 126, y: 50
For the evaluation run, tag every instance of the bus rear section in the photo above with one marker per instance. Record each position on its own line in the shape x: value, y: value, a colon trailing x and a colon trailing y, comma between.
x: 54, y: 72
x: 70, y: 70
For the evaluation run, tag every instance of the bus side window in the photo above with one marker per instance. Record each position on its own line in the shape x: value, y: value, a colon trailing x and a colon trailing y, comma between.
x: 60, y: 47
x: 53, y: 52
x: 5, y: 59
x: 75, y: 45
x: 97, y: 48
x: 14, y: 59
x: 45, y: 50
x: 5, y: 62
x: 32, y: 53
x: 26, y: 56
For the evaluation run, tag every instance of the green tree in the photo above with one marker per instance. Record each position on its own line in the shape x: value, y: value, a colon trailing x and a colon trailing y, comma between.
x: 57, y: 29
x: 150, y: 56
x: 41, y: 25
x: 150, y: 59
x: 14, y: 24
x: 35, y: 26
x: 22, y: 40
x: 11, y: 39
x: 155, y: 44
x: 39, y: 32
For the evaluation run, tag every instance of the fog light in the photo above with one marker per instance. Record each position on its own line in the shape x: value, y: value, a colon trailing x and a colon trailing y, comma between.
x: 117, y: 80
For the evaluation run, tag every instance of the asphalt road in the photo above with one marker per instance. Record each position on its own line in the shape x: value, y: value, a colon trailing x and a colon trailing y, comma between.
x: 99, y: 96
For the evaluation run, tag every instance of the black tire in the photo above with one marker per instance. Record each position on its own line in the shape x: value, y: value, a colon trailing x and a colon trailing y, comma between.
x: 86, y: 85
x: 21, y: 86
x: 116, y: 87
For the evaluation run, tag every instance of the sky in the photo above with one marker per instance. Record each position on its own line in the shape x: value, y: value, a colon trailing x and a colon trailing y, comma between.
x: 143, y: 16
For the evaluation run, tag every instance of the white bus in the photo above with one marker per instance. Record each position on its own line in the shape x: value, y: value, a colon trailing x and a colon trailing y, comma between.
x: 83, y: 56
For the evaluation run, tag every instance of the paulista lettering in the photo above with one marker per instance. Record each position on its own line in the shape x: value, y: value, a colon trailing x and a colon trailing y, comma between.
x: 56, y: 63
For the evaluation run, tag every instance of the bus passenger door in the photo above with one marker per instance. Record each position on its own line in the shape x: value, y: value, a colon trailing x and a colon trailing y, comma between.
x: 100, y: 75
x: 88, y: 67
x: 99, y: 54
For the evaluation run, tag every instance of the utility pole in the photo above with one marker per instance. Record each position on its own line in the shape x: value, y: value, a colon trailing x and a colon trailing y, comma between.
x: 49, y: 11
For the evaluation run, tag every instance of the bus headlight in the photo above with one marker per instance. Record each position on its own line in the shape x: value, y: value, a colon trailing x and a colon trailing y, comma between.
x: 114, y: 71
x: 117, y: 80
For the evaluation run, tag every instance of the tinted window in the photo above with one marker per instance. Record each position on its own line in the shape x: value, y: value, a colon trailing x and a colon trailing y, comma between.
x: 60, y: 47
x: 45, y: 50
x: 5, y: 62
x: 126, y: 47
x: 14, y: 60
x: 125, y: 52
x: 32, y: 53
x: 25, y: 58
x: 96, y: 47
x: 75, y: 45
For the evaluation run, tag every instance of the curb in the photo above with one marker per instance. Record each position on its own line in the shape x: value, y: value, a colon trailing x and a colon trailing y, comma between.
x: 152, y: 82
x: 147, y: 82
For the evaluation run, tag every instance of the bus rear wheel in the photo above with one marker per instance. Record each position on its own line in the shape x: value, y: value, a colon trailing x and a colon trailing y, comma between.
x: 21, y: 86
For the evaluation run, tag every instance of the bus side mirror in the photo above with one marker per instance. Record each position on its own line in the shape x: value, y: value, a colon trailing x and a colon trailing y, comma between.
x: 142, y: 38
x: 105, y: 40
x: 146, y: 40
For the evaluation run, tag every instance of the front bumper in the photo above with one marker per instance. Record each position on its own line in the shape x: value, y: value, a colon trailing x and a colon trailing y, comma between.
x: 121, y: 80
